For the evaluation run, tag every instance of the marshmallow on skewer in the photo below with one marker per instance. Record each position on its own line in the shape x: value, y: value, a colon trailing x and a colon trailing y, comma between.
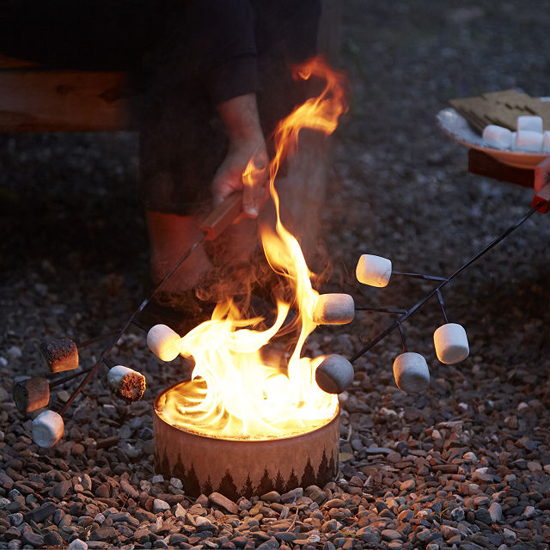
x: 451, y: 343
x: 164, y: 342
x: 126, y: 383
x: 31, y: 394
x: 497, y: 136
x: 47, y: 429
x: 528, y: 141
x: 546, y: 142
x: 529, y: 123
x: 60, y: 354
x: 373, y: 270
x: 411, y: 372
x: 334, y: 374
x: 334, y: 309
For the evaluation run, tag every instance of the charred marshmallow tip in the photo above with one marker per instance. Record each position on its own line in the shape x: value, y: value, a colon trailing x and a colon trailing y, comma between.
x: 61, y: 354
x: 31, y: 394
x: 126, y: 383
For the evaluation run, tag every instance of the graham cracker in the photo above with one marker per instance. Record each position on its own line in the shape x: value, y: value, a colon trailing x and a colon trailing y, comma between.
x: 501, y: 108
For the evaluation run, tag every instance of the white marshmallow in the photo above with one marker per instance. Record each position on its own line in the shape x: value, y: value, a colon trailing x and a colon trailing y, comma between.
x: 164, y: 342
x: 528, y: 141
x: 334, y: 309
x: 127, y: 383
x: 546, y: 142
x: 498, y: 137
x: 334, y: 374
x: 373, y: 270
x: 411, y: 372
x: 47, y: 429
x: 529, y: 124
x: 451, y: 343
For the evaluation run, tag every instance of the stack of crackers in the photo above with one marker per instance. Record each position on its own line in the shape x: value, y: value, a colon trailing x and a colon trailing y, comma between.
x: 501, y: 108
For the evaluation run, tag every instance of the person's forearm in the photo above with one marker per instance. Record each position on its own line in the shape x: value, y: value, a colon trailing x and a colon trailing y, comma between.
x: 241, y: 120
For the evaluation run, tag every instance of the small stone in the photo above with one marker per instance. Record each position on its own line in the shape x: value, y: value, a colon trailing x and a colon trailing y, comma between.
x: 104, y: 533
x: 78, y: 544
x: 449, y: 532
x: 52, y: 538
x: 496, y: 512
x: 16, y: 519
x: 32, y: 538
x: 176, y: 482
x: 390, y: 534
x: 484, y: 516
x: 160, y: 506
x: 204, y: 524
x: 335, y: 503
x: 179, y: 511
x: 272, y: 496
x: 407, y: 485
x: 41, y: 513
x: 128, y: 489
x: 60, y: 490
x: 223, y: 502
x: 157, y: 479
x: 529, y: 512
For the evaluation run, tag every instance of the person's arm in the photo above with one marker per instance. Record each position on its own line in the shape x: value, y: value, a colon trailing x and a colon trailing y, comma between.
x: 246, y: 143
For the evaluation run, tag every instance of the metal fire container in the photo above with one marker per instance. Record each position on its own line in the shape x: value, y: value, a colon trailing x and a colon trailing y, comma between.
x: 238, y: 468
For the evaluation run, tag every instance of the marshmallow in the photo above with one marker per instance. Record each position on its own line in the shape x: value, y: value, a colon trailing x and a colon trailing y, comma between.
x: 546, y: 142
x: 334, y: 374
x: 529, y: 124
x: 498, y: 137
x: 451, y: 343
x: 60, y: 354
x: 31, y: 394
x: 528, y: 141
x: 334, y: 309
x: 126, y: 383
x: 164, y: 342
x: 411, y: 372
x: 47, y: 429
x: 373, y: 270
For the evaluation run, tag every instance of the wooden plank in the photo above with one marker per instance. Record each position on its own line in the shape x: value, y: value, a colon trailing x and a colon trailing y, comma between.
x: 64, y: 101
x: 482, y: 164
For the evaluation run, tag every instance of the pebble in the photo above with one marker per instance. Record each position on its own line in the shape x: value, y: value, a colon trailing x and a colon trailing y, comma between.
x: 160, y: 505
x: 78, y: 544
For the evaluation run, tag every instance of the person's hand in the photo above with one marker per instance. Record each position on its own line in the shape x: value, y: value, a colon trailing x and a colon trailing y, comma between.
x: 246, y: 166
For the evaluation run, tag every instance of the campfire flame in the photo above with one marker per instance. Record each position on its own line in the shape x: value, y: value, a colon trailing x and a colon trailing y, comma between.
x: 235, y: 393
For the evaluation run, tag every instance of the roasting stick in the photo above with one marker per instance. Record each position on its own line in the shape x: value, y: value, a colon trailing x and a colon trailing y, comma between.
x: 377, y: 339
x: 221, y: 217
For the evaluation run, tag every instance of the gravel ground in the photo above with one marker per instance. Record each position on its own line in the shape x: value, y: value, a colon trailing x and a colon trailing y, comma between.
x: 464, y: 465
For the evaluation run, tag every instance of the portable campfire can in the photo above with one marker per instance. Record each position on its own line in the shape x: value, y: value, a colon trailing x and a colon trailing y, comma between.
x: 238, y: 468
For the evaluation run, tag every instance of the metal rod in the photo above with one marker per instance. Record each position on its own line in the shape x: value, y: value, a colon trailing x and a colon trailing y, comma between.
x: 433, y: 292
x: 403, y: 339
x: 380, y: 310
x: 66, y: 379
x: 141, y: 307
x: 97, y: 339
x: 442, y: 304
x: 419, y: 276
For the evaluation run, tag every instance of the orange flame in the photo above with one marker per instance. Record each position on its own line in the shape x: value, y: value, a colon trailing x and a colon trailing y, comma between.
x: 236, y: 393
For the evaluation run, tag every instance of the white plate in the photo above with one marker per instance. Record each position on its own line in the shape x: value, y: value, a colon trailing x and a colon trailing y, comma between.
x: 457, y: 127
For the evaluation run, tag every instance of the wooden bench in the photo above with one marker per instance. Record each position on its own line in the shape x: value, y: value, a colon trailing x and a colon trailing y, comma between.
x: 34, y: 99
